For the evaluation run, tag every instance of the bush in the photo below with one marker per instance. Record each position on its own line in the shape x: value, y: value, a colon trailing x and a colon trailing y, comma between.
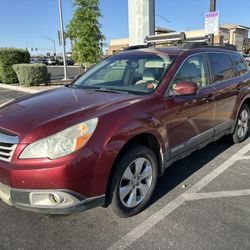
x: 8, y: 75
x: 1, y: 73
x: 9, y: 57
x: 32, y: 74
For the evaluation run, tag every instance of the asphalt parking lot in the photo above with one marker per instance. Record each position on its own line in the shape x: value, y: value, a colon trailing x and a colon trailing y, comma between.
x: 8, y: 95
x: 201, y: 202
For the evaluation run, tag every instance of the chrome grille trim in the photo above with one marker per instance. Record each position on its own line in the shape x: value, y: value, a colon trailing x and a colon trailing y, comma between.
x: 7, y: 148
x: 8, y: 144
x: 4, y: 138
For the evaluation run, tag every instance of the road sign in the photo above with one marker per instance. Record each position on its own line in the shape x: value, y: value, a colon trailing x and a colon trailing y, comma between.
x: 212, y: 23
x: 60, y: 37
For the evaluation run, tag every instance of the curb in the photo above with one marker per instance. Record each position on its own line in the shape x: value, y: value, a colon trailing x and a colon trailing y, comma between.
x: 19, y: 88
x: 32, y: 90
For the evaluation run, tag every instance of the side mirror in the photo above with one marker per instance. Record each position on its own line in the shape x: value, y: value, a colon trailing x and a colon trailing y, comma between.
x: 186, y: 88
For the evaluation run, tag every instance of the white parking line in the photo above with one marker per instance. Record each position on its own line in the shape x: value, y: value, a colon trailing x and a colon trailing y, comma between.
x: 154, y: 219
x: 245, y: 158
x: 219, y: 194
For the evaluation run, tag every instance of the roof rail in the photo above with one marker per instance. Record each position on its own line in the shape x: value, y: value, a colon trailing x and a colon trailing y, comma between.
x: 196, y: 45
x: 137, y: 47
x: 179, y: 39
x: 166, y: 37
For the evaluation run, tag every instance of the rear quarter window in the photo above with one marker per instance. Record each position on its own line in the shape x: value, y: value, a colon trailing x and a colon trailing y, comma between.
x: 239, y: 65
x: 221, y: 67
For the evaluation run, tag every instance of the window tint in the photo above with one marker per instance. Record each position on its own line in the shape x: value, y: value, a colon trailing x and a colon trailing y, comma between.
x: 239, y: 65
x: 221, y: 67
x: 194, y: 69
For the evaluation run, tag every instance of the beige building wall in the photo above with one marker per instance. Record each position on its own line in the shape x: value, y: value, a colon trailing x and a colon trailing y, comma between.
x: 194, y: 33
x: 117, y: 45
x: 228, y: 33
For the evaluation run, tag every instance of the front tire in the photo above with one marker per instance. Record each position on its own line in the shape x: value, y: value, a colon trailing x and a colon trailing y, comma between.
x: 242, y: 125
x: 134, y: 181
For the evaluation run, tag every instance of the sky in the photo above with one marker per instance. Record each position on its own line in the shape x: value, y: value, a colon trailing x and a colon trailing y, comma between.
x: 24, y: 23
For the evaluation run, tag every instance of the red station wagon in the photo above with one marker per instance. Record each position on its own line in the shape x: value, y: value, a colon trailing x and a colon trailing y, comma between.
x: 104, y: 139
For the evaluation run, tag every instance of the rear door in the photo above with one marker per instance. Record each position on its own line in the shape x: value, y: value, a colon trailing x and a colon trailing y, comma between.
x: 226, y: 85
x: 190, y: 119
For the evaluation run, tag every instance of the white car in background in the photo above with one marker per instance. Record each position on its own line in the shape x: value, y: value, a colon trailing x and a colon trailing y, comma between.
x: 51, y: 61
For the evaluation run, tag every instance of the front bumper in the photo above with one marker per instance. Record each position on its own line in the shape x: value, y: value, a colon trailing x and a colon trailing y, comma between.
x: 51, y: 201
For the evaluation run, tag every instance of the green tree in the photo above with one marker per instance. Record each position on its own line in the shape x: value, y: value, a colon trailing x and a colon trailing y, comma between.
x: 85, y: 31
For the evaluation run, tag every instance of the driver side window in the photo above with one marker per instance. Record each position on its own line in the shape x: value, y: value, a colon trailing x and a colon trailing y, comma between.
x: 195, y: 70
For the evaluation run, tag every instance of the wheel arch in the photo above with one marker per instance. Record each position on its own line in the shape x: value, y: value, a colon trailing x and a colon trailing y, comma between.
x: 145, y: 139
x: 245, y: 101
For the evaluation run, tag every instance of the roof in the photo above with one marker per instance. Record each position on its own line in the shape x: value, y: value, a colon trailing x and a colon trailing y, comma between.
x: 234, y: 26
x: 174, y: 50
x: 166, y: 50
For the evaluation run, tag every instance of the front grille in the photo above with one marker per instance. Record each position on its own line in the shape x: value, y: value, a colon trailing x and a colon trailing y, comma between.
x: 8, y: 144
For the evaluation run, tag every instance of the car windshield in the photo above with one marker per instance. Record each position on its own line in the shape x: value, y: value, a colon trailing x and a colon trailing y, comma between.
x: 138, y: 74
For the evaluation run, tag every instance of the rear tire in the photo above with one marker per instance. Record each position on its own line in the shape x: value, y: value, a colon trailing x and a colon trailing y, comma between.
x: 134, y: 181
x: 242, y: 125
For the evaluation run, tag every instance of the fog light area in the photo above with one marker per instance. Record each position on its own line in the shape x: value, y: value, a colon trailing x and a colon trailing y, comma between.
x: 52, y: 199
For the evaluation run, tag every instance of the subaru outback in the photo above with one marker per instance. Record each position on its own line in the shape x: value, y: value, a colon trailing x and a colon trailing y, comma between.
x: 106, y: 138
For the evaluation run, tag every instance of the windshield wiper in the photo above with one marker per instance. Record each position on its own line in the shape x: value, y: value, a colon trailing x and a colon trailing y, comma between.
x: 110, y: 90
x: 103, y: 89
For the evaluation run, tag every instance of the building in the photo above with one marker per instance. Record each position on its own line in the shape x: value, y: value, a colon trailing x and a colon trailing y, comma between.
x: 236, y: 34
x: 228, y: 33
x: 117, y: 45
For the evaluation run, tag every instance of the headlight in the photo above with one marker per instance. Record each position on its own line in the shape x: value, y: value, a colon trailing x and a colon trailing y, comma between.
x: 62, y: 143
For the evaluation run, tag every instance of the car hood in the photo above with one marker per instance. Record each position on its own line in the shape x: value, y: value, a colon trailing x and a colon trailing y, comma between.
x: 57, y: 109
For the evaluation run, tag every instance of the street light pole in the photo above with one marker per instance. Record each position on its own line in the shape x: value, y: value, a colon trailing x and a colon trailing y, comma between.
x: 53, y: 41
x: 212, y: 5
x: 62, y: 40
x: 212, y: 9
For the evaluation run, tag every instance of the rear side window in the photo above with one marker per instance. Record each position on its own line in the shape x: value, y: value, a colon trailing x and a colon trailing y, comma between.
x: 239, y: 65
x: 221, y: 67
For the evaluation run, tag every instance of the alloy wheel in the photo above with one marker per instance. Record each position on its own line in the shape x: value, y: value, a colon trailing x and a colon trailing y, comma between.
x: 135, y: 182
x: 242, y: 126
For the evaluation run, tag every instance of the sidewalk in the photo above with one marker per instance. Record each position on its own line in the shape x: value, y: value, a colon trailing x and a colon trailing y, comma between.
x: 34, y: 89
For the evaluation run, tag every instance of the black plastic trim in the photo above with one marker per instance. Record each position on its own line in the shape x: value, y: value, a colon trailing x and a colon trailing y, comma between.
x: 20, y: 199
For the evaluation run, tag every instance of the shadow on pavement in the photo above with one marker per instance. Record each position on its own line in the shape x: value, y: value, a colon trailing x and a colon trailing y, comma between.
x: 181, y: 170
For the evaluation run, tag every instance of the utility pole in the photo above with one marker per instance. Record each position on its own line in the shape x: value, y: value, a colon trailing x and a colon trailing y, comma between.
x: 212, y: 9
x: 212, y: 5
x: 63, y: 41
x: 141, y: 19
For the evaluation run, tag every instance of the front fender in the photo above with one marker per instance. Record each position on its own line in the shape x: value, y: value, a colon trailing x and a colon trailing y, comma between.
x: 122, y: 130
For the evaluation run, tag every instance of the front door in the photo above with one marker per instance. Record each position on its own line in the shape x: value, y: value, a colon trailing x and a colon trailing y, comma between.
x: 190, y: 119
